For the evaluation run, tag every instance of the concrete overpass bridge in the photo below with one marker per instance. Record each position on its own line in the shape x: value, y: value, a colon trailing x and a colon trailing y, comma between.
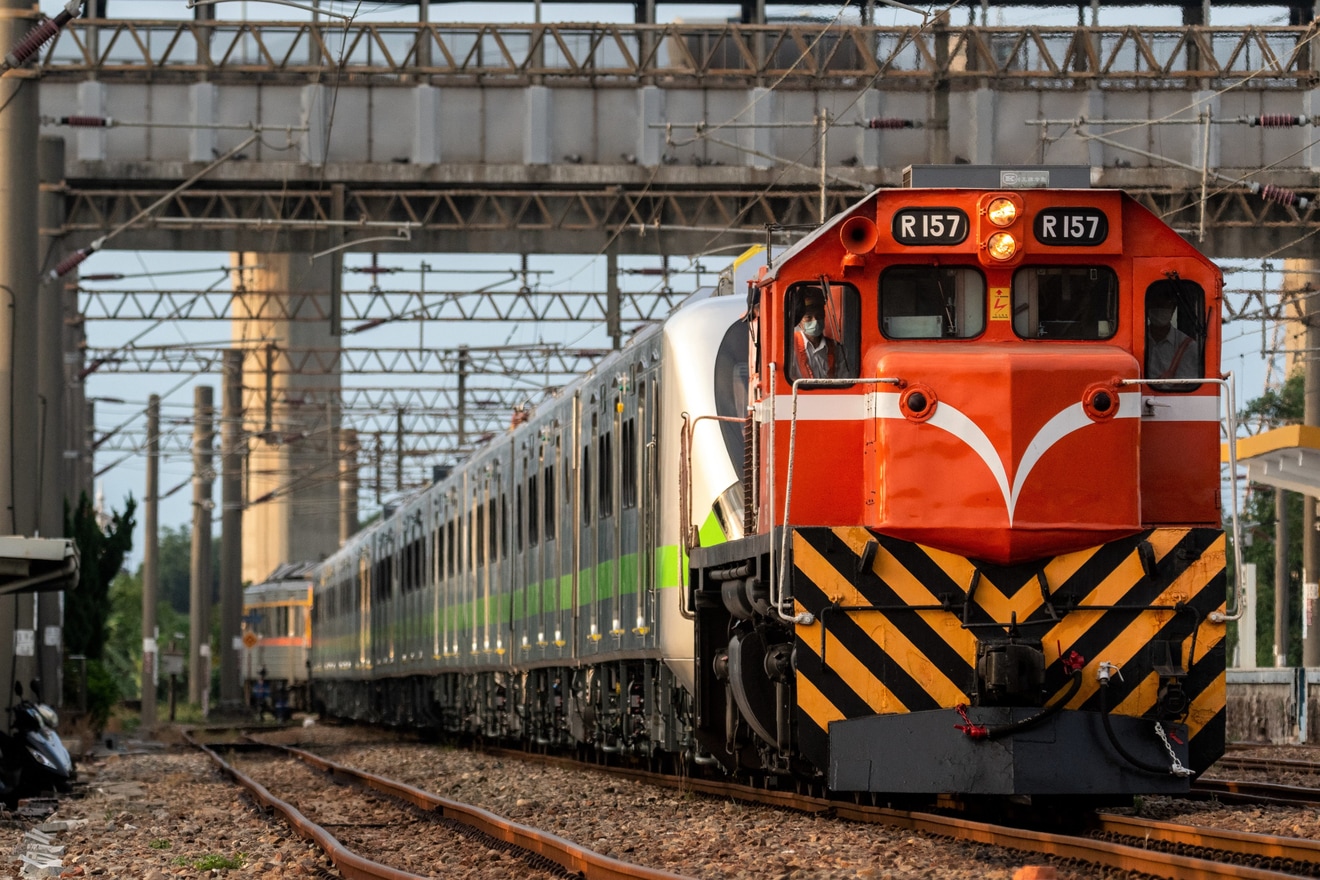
x: 556, y: 138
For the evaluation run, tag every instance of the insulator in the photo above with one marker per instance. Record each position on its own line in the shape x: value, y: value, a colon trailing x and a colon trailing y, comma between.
x: 87, y: 121
x: 35, y: 39
x: 1286, y: 197
x: 104, y: 276
x: 71, y: 262
x: 1277, y: 120
x: 373, y: 270
x: 889, y: 122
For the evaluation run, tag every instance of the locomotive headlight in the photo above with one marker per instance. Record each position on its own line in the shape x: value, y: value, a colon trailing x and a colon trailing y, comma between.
x: 1001, y: 212
x: 1002, y: 246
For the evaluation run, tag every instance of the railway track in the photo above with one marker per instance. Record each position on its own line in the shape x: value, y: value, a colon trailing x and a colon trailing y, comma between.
x: 1112, y: 842
x: 293, y: 783
x: 1245, y: 791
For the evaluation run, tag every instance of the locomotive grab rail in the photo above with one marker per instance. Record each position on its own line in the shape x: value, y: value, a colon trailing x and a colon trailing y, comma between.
x: 687, y: 540
x: 1230, y: 387
x: 776, y: 599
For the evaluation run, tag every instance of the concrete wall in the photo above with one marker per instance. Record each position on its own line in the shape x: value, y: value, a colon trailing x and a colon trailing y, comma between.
x: 1266, y: 705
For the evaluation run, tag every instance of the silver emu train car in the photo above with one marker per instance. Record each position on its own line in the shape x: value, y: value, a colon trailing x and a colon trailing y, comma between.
x: 532, y: 592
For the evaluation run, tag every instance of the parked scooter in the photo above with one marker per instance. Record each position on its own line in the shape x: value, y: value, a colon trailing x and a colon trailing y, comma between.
x: 34, y: 748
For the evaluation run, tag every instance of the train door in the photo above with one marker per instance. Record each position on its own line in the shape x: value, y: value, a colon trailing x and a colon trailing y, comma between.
x: 434, y: 569
x: 364, y: 608
x: 1178, y: 301
x: 648, y: 502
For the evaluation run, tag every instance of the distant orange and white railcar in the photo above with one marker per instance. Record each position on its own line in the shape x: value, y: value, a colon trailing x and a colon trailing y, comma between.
x: 277, y: 638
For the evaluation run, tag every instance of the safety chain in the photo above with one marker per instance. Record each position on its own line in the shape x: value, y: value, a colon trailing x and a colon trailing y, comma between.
x: 975, y: 731
x: 1177, y: 768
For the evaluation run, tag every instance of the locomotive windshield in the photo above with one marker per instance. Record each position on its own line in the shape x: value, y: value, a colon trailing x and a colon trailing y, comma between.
x: 1065, y: 302
x: 932, y: 302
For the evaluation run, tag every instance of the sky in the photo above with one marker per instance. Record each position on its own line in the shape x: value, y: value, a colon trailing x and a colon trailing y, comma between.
x: 122, y: 397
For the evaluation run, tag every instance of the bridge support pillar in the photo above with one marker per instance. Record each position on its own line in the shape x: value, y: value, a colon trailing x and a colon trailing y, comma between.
x: 291, y: 404
x: 1303, y: 276
x: 426, y: 137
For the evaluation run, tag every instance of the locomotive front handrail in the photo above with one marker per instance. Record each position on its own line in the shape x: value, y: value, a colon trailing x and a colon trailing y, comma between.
x: 687, y: 541
x: 776, y: 597
x: 1230, y: 418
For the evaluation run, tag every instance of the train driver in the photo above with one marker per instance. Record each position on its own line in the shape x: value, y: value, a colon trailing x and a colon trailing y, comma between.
x: 815, y: 355
x: 1170, y: 353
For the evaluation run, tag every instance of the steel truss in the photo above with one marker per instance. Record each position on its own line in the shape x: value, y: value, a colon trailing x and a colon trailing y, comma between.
x: 373, y: 306
x: 795, y: 55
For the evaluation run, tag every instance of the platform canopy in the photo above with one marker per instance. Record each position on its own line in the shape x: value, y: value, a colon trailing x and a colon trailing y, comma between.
x: 34, y: 565
x: 1287, y: 458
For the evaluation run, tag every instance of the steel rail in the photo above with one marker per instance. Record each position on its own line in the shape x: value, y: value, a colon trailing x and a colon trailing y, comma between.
x: 1242, y: 791
x: 1267, y: 846
x: 1112, y: 855
x: 565, y: 853
x: 568, y: 855
x: 349, y: 863
x: 1232, y: 762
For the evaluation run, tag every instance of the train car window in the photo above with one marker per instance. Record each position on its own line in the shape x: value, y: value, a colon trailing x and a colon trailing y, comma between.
x: 932, y: 302
x: 551, y: 488
x: 628, y: 489
x: 1065, y: 302
x: 533, y: 505
x: 822, y: 332
x: 449, y: 548
x: 481, y: 534
x: 504, y: 525
x: 605, y: 480
x: 586, y: 483
x: 1175, y: 332
x: 518, y: 520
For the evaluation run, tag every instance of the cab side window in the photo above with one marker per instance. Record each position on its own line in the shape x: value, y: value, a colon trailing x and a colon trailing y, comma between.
x: 932, y: 302
x: 822, y: 330
x: 1175, y: 332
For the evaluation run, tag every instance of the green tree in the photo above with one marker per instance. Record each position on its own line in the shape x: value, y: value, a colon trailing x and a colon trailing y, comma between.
x: 101, y: 556
x: 1271, y: 410
x: 175, y: 567
x: 123, y: 652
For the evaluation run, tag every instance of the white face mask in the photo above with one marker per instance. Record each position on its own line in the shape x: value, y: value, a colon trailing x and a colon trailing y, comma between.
x: 811, y: 326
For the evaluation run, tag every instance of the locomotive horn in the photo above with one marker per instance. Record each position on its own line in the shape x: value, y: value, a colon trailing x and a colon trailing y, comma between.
x: 859, y: 235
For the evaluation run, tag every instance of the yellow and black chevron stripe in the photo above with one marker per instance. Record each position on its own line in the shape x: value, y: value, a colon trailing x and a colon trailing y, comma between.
x: 900, y: 634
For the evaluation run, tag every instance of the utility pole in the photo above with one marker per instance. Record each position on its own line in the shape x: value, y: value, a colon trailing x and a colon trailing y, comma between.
x: 231, y: 532
x: 199, y: 594
x: 613, y: 323
x: 1281, y: 577
x: 464, y: 364
x: 150, y: 566
x: 1311, y: 537
x: 53, y: 483
x: 18, y: 309
x: 348, y: 484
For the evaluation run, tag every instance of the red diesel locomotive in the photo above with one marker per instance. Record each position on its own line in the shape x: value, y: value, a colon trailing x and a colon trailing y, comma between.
x: 982, y: 549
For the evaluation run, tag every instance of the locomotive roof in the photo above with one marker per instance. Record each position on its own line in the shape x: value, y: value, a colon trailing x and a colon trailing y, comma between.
x: 828, y: 228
